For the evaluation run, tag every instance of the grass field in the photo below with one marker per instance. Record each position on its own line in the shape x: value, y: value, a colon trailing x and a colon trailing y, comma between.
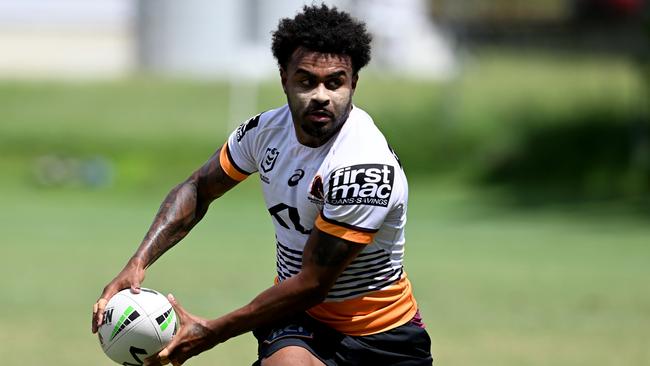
x: 561, y: 284
x: 496, y: 287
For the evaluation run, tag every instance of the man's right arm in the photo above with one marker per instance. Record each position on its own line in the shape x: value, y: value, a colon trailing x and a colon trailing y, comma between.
x: 184, y: 207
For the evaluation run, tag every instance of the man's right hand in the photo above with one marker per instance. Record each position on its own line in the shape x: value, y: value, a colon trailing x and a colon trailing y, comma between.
x: 130, y: 277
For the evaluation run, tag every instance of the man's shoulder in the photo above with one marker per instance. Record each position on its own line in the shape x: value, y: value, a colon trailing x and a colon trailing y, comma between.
x: 360, y: 116
x: 274, y: 118
x: 360, y: 139
x: 267, y: 121
x: 275, y: 114
x: 362, y: 126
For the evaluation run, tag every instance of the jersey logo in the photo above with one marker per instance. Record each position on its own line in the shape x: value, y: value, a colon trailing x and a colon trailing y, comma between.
x: 294, y: 217
x: 296, y: 177
x: 247, y: 126
x: 269, y: 159
x: 364, y: 184
x: 316, y: 191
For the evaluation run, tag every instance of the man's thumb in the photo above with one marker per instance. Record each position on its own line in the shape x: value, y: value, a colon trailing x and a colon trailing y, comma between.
x: 178, y: 309
x: 163, y: 355
x: 135, y: 288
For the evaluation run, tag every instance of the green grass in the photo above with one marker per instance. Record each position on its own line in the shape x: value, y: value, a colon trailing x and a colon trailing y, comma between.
x: 496, y: 287
x: 532, y: 288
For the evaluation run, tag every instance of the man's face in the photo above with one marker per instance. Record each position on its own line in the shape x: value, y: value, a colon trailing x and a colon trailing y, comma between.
x: 319, y: 89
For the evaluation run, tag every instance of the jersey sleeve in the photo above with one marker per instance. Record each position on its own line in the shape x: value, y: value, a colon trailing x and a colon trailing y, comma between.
x: 357, y: 201
x: 237, y: 157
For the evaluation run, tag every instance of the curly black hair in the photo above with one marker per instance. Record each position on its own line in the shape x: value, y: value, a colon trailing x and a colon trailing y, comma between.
x: 321, y: 29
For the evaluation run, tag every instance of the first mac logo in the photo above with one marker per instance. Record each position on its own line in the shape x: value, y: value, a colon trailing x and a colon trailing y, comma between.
x: 365, y: 184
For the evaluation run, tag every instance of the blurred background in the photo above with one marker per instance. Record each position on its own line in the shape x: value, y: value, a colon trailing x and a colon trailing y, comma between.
x: 524, y: 128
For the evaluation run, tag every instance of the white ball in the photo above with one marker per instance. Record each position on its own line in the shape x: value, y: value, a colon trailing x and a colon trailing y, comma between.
x: 136, y: 326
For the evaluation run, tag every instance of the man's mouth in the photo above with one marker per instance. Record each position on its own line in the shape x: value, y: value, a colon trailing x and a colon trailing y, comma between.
x: 321, y: 116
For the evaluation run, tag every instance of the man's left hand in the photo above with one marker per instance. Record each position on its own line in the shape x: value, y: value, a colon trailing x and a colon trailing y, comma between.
x: 192, y: 338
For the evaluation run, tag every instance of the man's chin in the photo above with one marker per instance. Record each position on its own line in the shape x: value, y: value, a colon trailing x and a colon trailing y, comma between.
x: 319, y: 133
x: 317, y: 130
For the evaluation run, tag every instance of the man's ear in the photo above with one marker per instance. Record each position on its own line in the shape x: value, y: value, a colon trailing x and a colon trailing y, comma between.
x: 355, y: 78
x: 283, y: 79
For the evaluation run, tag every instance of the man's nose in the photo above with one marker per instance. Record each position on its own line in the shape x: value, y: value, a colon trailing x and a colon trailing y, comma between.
x: 321, y: 94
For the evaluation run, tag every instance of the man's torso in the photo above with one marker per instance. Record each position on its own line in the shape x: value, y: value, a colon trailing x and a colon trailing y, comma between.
x: 352, y: 187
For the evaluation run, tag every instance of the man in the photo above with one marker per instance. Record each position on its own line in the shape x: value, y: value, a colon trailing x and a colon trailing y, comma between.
x: 337, y: 196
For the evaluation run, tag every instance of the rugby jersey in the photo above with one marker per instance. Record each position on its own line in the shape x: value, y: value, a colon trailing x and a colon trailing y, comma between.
x: 352, y: 187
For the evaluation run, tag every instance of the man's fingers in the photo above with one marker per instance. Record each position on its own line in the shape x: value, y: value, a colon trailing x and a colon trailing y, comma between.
x: 98, y: 313
x: 101, y: 305
x: 93, y: 323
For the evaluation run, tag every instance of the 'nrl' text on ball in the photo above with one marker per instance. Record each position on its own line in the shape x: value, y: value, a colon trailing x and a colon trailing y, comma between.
x: 108, y: 316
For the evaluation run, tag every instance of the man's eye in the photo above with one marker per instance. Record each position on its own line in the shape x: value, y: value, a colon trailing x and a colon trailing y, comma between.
x: 305, y: 82
x: 334, y: 83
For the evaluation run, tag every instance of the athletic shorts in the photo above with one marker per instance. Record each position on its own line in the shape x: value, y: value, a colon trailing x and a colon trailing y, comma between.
x: 406, y: 345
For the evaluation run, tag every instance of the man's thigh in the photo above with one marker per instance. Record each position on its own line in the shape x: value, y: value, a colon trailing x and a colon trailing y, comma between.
x: 292, y: 356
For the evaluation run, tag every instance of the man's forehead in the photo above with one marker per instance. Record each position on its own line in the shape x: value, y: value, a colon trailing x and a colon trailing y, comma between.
x: 306, y: 59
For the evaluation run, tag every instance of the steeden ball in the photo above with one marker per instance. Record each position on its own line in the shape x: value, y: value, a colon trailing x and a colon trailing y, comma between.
x: 136, y: 326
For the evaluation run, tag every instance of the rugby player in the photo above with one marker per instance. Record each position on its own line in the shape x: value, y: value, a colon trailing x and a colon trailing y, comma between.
x: 337, y: 196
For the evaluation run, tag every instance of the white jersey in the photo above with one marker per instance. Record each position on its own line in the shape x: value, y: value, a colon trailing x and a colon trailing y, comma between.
x: 352, y: 187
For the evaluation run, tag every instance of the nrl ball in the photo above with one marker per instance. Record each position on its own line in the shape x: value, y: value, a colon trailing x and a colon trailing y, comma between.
x: 136, y: 326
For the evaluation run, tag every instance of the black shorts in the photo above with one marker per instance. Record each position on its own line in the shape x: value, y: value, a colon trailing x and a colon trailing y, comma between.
x: 406, y: 345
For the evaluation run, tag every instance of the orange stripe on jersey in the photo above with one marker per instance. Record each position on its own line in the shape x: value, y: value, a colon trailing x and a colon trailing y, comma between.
x: 372, y: 313
x: 349, y: 234
x: 228, y: 166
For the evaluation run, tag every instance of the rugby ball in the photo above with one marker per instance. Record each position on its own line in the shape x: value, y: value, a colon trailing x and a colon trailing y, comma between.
x: 136, y: 326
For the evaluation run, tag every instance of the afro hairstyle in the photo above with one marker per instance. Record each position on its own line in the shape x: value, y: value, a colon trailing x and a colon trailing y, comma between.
x: 322, y: 29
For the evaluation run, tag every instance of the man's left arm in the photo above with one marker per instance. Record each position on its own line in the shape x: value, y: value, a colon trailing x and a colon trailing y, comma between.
x: 324, y: 259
